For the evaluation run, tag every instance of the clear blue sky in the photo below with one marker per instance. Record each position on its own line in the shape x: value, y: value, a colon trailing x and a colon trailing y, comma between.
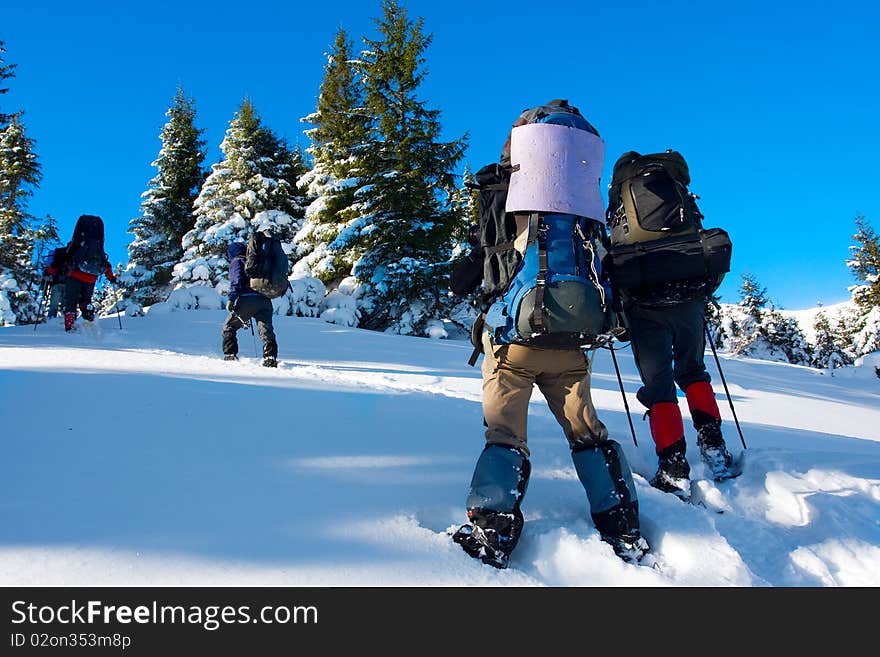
x: 774, y: 104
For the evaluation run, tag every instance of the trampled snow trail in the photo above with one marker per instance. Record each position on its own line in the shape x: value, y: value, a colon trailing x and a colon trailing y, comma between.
x: 140, y: 457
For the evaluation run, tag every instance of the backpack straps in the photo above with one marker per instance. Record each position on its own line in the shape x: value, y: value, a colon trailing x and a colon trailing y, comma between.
x: 477, y: 338
x: 490, y: 250
x: 536, y: 321
x: 506, y: 246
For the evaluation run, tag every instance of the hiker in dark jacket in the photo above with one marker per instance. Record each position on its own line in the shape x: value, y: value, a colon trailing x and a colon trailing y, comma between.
x: 53, y: 281
x: 244, y: 303
x: 79, y: 286
x: 84, y: 261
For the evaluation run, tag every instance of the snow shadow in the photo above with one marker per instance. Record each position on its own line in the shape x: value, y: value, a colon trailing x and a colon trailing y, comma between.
x: 159, y: 463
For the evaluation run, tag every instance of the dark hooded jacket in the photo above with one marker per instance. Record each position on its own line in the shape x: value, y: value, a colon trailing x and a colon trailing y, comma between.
x: 239, y: 283
x: 57, y: 267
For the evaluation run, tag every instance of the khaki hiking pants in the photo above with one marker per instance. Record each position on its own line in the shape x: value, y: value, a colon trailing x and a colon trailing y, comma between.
x: 562, y: 376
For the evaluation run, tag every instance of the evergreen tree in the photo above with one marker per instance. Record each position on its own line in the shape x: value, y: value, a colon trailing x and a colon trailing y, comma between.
x: 865, y: 266
x: 465, y: 203
x: 20, y: 173
x: 785, y: 339
x: 252, y: 188
x: 296, y: 166
x: 715, y: 320
x: 167, y: 208
x: 108, y: 298
x: 845, y: 325
x: 403, y: 242
x: 742, y: 321
x: 463, y: 311
x: 866, y: 339
x: 338, y: 143
x: 753, y: 297
x: 756, y: 328
x: 829, y: 350
x: 6, y: 72
x: 46, y: 236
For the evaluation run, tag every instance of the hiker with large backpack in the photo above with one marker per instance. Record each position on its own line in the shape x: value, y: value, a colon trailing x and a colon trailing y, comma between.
x: 665, y: 266
x: 257, y: 273
x: 85, y: 260
x: 539, y: 259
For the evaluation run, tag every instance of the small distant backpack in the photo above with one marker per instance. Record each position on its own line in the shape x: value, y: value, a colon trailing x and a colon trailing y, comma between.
x: 85, y: 252
x: 542, y: 274
x: 58, y: 257
x: 266, y: 265
x: 656, y: 228
x: 58, y: 261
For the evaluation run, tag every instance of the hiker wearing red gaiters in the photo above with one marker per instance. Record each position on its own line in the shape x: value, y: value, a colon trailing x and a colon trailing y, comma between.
x: 86, y: 261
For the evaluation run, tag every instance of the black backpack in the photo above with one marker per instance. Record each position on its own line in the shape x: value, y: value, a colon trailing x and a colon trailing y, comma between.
x: 497, y: 231
x: 266, y: 265
x: 657, y: 235
x: 58, y: 261
x: 85, y: 252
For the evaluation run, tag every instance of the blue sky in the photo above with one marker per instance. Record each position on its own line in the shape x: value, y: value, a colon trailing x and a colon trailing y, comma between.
x: 774, y: 105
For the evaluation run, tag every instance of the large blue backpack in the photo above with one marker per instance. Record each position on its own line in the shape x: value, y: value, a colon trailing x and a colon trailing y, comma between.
x: 543, y: 269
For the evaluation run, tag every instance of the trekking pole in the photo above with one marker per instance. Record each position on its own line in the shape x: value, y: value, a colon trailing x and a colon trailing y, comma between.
x: 40, y: 307
x: 727, y: 392
x: 38, y: 263
x: 622, y: 393
x: 251, y: 324
x: 116, y: 303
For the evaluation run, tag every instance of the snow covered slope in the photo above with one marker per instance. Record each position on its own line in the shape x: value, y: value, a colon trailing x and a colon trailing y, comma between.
x: 139, y: 457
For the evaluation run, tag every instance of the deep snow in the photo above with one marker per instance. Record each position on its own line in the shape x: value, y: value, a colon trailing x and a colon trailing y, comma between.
x: 139, y: 457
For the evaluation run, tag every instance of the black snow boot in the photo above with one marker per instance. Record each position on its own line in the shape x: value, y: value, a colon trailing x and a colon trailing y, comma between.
x: 230, y: 357
x: 632, y: 548
x: 714, y: 451
x: 673, y: 472
x: 269, y: 361
x: 490, y: 536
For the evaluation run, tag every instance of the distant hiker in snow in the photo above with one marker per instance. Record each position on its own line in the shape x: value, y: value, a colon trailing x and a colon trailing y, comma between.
x: 244, y: 303
x: 53, y: 280
x: 538, y: 257
x: 665, y: 266
x: 85, y: 262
